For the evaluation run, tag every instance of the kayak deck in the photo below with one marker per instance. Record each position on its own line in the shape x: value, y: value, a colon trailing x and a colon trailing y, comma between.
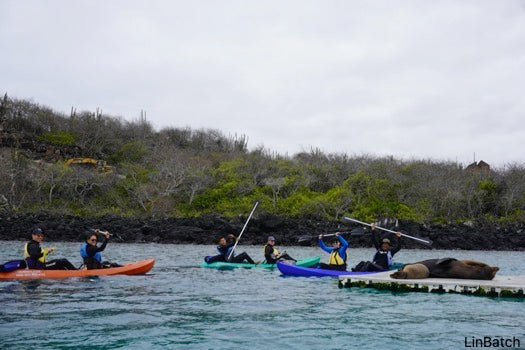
x: 134, y: 268
x: 310, y: 261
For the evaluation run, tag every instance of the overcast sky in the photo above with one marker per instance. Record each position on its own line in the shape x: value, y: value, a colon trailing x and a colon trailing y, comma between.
x: 414, y: 79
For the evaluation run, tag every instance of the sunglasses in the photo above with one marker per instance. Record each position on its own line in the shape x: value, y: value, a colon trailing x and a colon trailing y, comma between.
x: 93, y: 240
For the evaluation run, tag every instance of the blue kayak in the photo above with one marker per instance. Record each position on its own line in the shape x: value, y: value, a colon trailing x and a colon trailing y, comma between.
x: 300, y: 271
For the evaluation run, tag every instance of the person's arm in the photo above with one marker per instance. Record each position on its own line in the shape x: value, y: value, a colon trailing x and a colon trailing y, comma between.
x: 375, y: 239
x: 231, y: 240
x: 323, y: 246
x: 397, y: 246
x: 103, y: 245
x: 344, y: 246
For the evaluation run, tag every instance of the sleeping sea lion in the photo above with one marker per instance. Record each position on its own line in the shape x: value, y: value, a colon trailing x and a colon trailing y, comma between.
x: 453, y: 268
x: 411, y: 271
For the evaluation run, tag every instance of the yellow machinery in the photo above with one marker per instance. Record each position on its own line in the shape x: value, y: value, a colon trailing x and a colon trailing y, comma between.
x: 100, y: 165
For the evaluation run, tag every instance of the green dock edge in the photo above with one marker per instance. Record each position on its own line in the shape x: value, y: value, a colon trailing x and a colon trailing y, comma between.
x: 401, y: 287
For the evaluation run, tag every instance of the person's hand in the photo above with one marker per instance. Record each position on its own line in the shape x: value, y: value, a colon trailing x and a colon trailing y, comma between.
x: 398, y: 234
x: 337, y: 234
x: 373, y: 226
x: 320, y: 237
x: 51, y: 250
x: 106, y: 234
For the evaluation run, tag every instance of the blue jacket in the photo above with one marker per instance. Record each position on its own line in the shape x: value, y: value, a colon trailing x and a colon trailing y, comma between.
x: 342, y: 249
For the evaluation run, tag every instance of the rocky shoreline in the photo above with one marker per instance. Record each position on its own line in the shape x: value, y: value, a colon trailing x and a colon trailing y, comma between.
x: 205, y: 230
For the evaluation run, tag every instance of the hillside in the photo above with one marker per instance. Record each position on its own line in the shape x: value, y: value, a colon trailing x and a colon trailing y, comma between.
x: 180, y: 172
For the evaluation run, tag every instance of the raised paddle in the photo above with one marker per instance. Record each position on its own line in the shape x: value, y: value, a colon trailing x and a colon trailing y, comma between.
x: 425, y: 241
x: 354, y: 232
x: 245, y: 224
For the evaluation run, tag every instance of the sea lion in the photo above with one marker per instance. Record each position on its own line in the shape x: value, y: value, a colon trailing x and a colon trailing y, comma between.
x: 453, y: 268
x: 411, y: 271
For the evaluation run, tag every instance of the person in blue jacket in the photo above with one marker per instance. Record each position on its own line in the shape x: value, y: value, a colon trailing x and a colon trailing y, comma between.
x: 90, y: 252
x: 337, y: 260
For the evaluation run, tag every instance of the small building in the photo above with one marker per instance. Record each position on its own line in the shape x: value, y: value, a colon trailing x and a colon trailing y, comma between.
x: 481, y: 167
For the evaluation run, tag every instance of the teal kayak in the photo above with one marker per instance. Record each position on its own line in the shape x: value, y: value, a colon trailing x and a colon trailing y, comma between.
x: 306, y: 262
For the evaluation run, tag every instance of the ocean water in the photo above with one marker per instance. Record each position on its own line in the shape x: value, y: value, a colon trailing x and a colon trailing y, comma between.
x: 179, y: 305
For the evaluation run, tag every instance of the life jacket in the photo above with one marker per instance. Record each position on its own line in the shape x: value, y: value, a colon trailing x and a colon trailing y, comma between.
x: 275, y: 251
x: 381, y: 257
x: 84, y: 254
x: 335, y: 258
x: 42, y: 259
x: 225, y: 251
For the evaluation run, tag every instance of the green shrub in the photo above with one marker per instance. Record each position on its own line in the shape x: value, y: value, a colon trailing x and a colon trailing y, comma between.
x: 59, y: 138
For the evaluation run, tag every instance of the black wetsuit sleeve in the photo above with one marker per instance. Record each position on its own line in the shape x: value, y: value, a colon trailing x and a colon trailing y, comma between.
x: 34, y: 250
x: 397, y: 246
x: 92, y: 250
x: 375, y: 240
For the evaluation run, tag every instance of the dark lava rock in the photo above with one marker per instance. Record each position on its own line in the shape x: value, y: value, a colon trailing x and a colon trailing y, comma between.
x: 206, y: 229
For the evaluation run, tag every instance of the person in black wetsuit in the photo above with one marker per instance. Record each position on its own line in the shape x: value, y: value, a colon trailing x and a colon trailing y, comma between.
x: 36, y: 257
x: 383, y: 258
x: 272, y: 255
x: 224, y: 248
x: 90, y: 252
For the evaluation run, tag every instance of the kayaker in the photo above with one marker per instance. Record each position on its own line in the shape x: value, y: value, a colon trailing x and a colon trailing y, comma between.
x: 272, y: 255
x: 90, y: 252
x: 337, y: 260
x: 35, y: 256
x: 224, y: 248
x: 383, y: 258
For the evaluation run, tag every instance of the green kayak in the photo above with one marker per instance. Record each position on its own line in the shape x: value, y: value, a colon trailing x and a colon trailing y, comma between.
x: 306, y: 262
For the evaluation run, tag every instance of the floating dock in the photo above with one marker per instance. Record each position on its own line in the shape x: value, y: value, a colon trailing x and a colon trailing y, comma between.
x: 500, y: 286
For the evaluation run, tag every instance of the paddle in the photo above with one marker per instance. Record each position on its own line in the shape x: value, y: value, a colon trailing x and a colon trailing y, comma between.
x: 355, y: 232
x: 425, y: 241
x: 245, y: 224
x: 99, y: 231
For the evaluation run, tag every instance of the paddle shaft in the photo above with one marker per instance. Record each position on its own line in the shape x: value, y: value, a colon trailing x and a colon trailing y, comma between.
x: 352, y: 233
x: 387, y: 230
x: 245, y: 224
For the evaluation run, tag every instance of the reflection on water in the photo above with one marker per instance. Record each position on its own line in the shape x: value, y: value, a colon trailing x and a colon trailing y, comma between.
x: 181, y: 305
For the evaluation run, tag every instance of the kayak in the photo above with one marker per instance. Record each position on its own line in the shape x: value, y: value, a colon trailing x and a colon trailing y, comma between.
x: 134, y: 268
x: 300, y: 271
x: 311, y: 261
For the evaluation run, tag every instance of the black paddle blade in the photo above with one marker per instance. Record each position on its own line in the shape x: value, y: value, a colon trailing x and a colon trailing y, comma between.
x: 359, y: 231
x: 304, y: 239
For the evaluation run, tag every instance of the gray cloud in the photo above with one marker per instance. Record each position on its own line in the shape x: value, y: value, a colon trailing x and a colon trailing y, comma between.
x: 419, y: 79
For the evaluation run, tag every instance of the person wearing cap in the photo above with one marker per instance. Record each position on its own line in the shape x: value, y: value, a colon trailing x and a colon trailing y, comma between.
x: 36, y: 257
x: 337, y: 260
x: 224, y: 248
x: 385, y: 251
x: 90, y: 252
x: 272, y: 255
x: 383, y: 258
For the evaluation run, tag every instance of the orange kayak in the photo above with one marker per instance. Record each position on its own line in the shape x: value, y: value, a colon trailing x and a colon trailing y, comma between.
x: 134, y: 268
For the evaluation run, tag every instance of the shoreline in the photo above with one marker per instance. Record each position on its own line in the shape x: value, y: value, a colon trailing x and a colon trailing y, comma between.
x: 204, y: 230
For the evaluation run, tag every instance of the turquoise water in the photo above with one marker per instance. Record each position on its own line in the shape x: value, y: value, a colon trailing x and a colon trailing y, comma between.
x: 180, y: 305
